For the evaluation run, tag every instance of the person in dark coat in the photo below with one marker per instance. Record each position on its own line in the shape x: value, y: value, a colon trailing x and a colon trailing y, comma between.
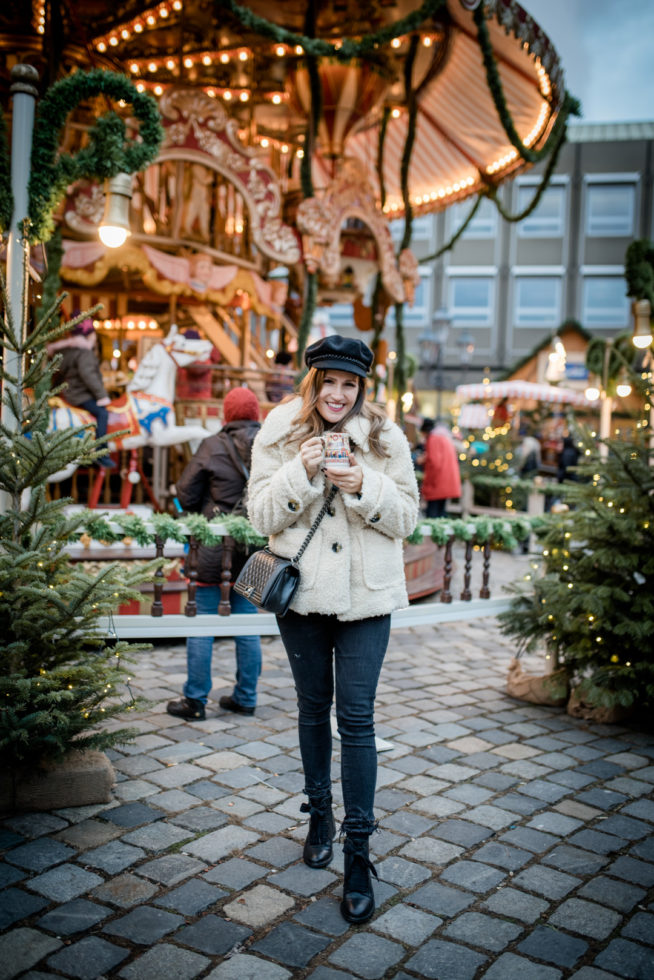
x: 79, y: 371
x: 214, y: 482
x: 569, y: 456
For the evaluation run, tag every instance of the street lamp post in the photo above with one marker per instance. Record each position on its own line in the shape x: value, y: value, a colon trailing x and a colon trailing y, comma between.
x: 466, y: 344
x: 431, y: 345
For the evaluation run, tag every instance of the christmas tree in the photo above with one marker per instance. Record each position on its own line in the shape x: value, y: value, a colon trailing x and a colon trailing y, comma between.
x: 60, y: 678
x: 593, y: 606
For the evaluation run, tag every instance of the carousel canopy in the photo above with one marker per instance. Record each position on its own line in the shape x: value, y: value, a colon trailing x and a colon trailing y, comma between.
x: 527, y: 390
x: 419, y: 71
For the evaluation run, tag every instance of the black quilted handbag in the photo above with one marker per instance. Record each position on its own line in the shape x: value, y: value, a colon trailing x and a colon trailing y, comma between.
x: 270, y: 582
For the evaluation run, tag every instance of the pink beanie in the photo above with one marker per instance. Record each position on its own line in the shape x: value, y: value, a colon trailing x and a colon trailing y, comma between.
x: 240, y: 403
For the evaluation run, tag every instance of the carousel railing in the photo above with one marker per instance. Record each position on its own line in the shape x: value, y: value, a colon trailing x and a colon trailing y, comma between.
x: 453, y: 603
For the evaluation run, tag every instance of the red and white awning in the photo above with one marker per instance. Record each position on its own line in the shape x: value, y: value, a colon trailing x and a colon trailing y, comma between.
x: 526, y: 390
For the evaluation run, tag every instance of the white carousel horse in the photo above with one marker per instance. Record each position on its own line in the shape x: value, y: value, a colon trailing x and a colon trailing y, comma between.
x: 147, y: 408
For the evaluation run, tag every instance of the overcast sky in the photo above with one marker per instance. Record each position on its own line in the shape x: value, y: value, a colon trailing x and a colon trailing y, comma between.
x: 606, y: 48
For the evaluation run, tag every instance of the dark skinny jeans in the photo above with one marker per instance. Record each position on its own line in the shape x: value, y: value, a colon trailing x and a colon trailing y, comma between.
x: 323, y: 651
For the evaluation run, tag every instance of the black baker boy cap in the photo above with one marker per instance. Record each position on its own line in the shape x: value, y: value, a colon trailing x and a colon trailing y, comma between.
x: 339, y: 354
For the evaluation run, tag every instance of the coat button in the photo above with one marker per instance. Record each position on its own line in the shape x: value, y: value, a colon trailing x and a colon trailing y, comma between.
x: 375, y: 517
x: 331, y: 511
x: 337, y: 547
x: 293, y: 505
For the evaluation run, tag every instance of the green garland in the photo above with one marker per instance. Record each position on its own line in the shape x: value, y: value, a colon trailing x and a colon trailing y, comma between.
x: 107, y: 153
x: 570, y: 105
x: 516, y: 483
x: 348, y: 49
x: 504, y: 532
x: 457, y: 234
x: 6, y: 196
x: 639, y: 270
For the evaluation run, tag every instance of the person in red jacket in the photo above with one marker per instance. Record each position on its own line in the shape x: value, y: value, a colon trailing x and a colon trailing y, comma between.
x: 442, y: 480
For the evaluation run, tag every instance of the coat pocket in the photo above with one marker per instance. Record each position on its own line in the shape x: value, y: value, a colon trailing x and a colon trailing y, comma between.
x: 381, y: 558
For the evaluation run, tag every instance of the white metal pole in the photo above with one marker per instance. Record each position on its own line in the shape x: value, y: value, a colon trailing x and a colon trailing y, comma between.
x: 24, y: 93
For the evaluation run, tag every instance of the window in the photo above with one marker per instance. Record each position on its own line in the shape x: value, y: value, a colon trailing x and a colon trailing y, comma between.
x: 548, y: 218
x: 422, y: 229
x: 471, y: 299
x: 537, y: 301
x: 610, y: 209
x: 484, y: 223
x: 604, y: 302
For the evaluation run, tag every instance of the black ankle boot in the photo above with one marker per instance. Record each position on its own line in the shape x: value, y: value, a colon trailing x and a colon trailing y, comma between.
x: 358, y: 902
x: 318, y: 845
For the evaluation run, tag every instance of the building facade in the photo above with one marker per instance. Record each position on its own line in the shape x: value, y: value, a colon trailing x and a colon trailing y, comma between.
x: 505, y: 286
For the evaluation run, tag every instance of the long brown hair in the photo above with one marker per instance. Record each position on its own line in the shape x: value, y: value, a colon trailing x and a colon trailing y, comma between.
x: 309, y: 422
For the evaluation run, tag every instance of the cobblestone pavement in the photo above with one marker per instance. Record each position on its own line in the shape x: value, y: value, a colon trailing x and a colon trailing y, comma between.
x: 514, y: 841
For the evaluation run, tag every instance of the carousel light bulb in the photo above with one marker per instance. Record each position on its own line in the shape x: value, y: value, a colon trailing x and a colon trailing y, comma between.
x: 206, y: 59
x: 188, y: 62
x: 114, y: 228
x: 244, y: 96
x: 224, y: 58
x: 276, y: 99
x: 158, y: 90
x: 113, y: 40
x: 280, y: 50
x: 138, y: 27
x: 170, y: 64
x: 242, y: 56
x: 227, y: 95
x: 152, y: 66
x: 592, y: 393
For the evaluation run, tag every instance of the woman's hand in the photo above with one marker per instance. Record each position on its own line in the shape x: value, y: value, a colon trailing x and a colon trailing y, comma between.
x: 350, y: 480
x: 311, y: 455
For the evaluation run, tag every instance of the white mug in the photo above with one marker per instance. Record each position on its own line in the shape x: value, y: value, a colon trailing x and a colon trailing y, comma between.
x: 336, y: 450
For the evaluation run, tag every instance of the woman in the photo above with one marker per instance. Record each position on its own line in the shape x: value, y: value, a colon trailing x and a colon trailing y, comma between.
x: 214, y: 481
x: 351, y: 579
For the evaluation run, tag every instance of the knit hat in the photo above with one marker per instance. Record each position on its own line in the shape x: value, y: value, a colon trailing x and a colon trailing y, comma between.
x: 84, y: 328
x: 340, y: 354
x: 240, y: 403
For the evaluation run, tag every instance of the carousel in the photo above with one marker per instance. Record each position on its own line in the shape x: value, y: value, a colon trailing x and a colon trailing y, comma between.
x: 291, y: 138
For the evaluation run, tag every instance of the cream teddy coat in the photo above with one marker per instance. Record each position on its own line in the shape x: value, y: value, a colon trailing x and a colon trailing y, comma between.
x: 353, y: 567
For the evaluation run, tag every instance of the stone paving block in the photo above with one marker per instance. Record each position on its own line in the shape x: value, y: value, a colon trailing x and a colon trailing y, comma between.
x: 529, y: 839
x: 367, y: 955
x: 259, y: 906
x: 525, y: 770
x: 585, y: 918
x: 469, y: 744
x: 206, y: 789
x: 431, y: 851
x: 473, y: 875
x: 518, y: 803
x: 611, y: 891
x: 39, y: 854
x: 626, y: 959
x: 180, y: 752
x: 64, y: 883
x: 191, y: 898
x: 640, y: 928
x: 124, y: 891
x: 504, y: 856
x: 451, y: 773
x: 512, y: 967
x: 553, y: 946
x: 628, y: 760
x: 628, y: 786
x: 423, y: 785
x: 236, y: 874
x: 245, y: 967
x: 571, y: 808
x: 113, y: 857
x: 199, y: 819
x: 157, y: 837
x: 516, y: 904
x: 134, y: 789
x: 633, y: 871
x: 575, y: 860
x: 30, y: 825
x: 570, y: 778
x: 174, y: 776
x: 269, y: 822
x: 173, y: 800
x: 460, y: 832
x: 237, y: 806
x: 76, y: 916
x: 625, y: 827
x: 213, y: 934
x: 136, y: 765
x: 544, y: 789
x: 440, y: 960
x: 407, y: 823
x: 590, y: 973
x: 555, y: 823
x: 325, y: 916
x: 218, y: 844
x: 469, y: 793
x: 546, y: 881
x: 595, y: 840
x: 90, y: 958
x: 497, y: 781
x: 171, y: 868
x: 89, y: 833
x: 644, y: 849
x: 144, y: 925
x: 406, y: 924
x: 490, y: 816
x: 278, y: 851
x: 601, y: 769
x: 291, y: 944
x: 15, y: 904
x: 166, y: 960
x: 404, y: 874
x: 438, y: 806
x: 603, y: 799
x: 441, y: 899
x: 302, y: 880
x: 486, y: 931
x: 438, y: 754
x: 131, y: 815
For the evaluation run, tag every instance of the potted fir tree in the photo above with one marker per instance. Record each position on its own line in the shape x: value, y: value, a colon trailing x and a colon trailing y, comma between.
x: 60, y: 679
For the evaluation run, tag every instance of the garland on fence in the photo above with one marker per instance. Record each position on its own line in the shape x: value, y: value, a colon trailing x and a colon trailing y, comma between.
x: 516, y: 483
x: 102, y: 527
x: 108, y: 152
